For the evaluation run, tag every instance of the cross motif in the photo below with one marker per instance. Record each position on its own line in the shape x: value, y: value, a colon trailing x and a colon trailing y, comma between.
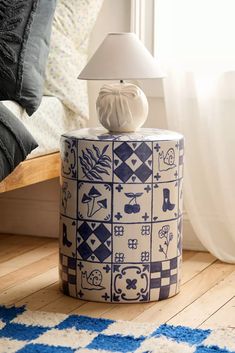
x: 157, y: 176
x: 145, y: 217
x: 119, y: 188
x: 105, y: 296
x: 157, y: 147
x: 80, y: 294
x: 80, y: 266
x: 118, y: 216
x: 147, y: 188
x: 107, y: 268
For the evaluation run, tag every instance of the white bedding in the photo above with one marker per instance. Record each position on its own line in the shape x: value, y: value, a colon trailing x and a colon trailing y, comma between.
x: 47, y: 123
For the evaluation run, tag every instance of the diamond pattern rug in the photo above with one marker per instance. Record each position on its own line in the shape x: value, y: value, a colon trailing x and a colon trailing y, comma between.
x: 24, y: 331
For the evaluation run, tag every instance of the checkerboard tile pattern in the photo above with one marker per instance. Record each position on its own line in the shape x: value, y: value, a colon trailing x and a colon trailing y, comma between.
x: 35, y: 332
x: 164, y: 278
x: 68, y: 274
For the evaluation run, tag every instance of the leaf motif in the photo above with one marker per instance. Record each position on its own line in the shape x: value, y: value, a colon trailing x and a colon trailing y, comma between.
x: 104, y: 164
x: 106, y: 158
x: 97, y: 150
x: 10, y: 17
x: 101, y: 170
x: 10, y: 37
x: 10, y: 23
x: 7, y: 52
x: 95, y: 163
x: 87, y: 158
x: 91, y: 155
x: 5, y: 71
x: 95, y: 175
x: 129, y: 194
x: 105, y: 149
x: 84, y: 164
x: 87, y: 175
x: 138, y: 194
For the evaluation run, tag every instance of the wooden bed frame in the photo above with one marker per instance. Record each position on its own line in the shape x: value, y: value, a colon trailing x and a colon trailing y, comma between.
x: 32, y: 171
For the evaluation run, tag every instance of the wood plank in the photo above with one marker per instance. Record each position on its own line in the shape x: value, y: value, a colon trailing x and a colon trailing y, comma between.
x: 187, y: 254
x: 200, y: 262
x: 96, y: 309
x: 51, y: 299
x: 25, y: 288
x: 32, y: 279
x: 27, y: 258
x: 64, y: 305
x: 205, y: 306
x: 224, y: 317
x: 32, y: 171
x: 13, y: 245
x: 43, y: 296
x: 163, y: 311
x: 29, y: 271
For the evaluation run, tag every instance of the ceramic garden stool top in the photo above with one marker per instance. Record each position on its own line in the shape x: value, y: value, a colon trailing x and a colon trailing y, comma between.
x: 121, y: 215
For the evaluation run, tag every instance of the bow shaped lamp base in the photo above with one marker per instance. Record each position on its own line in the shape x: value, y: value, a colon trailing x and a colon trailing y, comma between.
x: 122, y: 107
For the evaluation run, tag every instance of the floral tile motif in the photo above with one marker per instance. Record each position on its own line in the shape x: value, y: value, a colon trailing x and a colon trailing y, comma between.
x: 93, y: 281
x: 94, y: 201
x: 68, y: 205
x: 68, y: 149
x: 133, y: 162
x: 164, y: 240
x: 131, y: 243
x: 95, y: 161
x: 165, y: 201
x: 94, y: 241
x: 131, y: 282
x: 132, y: 204
x: 67, y: 240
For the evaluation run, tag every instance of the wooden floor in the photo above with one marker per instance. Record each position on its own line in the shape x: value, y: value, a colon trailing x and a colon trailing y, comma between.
x: 29, y: 275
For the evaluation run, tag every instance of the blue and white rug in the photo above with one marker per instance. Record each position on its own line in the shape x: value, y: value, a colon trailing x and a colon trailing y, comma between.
x: 25, y: 331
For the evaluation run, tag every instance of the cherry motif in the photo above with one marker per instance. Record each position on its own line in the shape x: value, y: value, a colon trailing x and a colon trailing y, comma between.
x: 132, y: 206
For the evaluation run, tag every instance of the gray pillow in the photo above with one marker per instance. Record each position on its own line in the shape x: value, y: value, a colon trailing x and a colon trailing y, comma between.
x: 15, y: 142
x: 25, y: 28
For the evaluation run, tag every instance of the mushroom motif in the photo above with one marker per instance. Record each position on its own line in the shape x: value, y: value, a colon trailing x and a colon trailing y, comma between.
x: 90, y: 200
x: 87, y: 199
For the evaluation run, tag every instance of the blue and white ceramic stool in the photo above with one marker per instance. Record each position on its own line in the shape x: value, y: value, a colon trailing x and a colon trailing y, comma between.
x: 121, y: 215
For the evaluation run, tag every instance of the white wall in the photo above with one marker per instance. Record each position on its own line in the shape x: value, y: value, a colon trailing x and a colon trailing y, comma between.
x: 35, y: 210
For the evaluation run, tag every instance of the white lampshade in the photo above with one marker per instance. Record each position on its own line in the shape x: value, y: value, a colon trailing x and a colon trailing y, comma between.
x: 121, y: 56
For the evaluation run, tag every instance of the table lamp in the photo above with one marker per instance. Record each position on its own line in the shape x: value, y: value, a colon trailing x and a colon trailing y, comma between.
x: 123, y: 106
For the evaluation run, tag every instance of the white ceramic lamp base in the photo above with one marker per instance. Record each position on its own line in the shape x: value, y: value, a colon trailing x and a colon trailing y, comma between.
x: 122, y: 107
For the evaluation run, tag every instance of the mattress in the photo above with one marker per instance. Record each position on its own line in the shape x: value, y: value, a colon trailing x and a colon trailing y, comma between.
x: 47, y: 124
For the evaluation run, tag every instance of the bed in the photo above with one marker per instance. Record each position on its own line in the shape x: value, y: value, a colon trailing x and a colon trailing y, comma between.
x: 41, y: 56
x: 46, y: 125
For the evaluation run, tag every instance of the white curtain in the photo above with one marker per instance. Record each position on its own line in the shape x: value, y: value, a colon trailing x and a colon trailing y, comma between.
x: 196, y: 45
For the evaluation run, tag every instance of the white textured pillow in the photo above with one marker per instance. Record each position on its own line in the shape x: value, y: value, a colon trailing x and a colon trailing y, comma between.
x: 72, y: 25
